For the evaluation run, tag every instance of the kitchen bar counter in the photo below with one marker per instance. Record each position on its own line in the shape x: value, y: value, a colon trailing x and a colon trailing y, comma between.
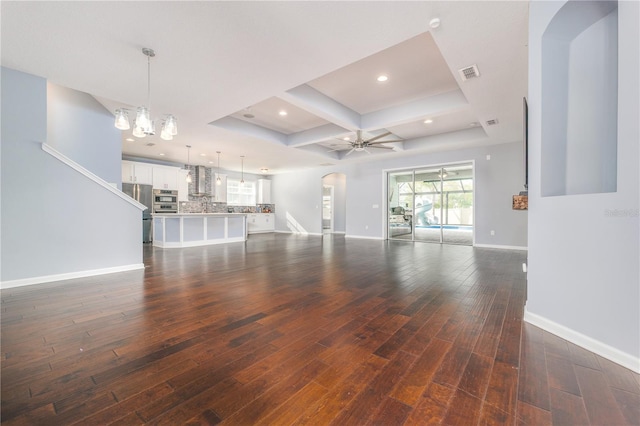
x: 176, y: 230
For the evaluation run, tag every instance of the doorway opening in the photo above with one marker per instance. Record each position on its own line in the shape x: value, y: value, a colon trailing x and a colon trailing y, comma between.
x: 327, y: 209
x: 432, y: 204
x: 334, y: 203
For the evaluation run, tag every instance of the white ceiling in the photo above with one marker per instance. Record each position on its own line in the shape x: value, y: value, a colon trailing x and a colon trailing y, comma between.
x: 316, y: 60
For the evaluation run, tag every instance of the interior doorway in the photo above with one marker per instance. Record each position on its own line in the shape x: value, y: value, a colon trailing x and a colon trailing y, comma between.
x: 334, y: 203
x: 432, y: 204
x: 327, y: 209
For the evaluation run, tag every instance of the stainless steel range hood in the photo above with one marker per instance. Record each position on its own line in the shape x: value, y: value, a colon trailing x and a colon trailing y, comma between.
x: 199, y: 182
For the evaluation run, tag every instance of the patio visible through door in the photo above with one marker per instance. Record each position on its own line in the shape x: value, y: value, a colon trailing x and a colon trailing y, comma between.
x: 432, y: 204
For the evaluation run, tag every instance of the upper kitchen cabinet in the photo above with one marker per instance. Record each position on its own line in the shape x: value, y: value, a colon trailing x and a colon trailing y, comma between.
x: 264, y: 191
x: 219, y: 192
x: 165, y: 178
x: 133, y: 172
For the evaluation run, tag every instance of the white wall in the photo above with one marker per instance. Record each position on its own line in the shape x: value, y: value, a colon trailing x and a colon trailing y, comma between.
x: 79, y: 127
x: 55, y: 221
x: 298, y: 200
x: 583, y: 279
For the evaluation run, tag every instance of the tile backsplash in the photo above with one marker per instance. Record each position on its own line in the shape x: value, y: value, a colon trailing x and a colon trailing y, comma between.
x: 203, y: 205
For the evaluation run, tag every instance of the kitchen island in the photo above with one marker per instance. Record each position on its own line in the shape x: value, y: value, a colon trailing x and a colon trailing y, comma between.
x: 176, y: 230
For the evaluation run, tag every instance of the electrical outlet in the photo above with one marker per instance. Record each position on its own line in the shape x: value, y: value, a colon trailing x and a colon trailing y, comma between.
x: 366, y: 227
x: 376, y: 206
x: 488, y: 156
x: 493, y: 232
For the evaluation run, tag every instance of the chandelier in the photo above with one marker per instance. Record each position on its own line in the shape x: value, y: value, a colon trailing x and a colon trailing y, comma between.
x: 143, y: 125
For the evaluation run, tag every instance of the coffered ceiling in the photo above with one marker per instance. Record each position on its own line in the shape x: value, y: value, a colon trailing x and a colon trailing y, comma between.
x: 228, y: 69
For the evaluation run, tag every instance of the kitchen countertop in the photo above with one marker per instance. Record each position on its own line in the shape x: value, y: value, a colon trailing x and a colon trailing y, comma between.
x: 198, y: 214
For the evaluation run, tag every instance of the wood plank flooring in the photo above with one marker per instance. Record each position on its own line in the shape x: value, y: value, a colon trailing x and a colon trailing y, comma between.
x: 293, y: 330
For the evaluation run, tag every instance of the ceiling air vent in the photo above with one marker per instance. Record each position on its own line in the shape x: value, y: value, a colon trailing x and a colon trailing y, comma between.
x: 492, y: 122
x: 150, y: 144
x: 326, y: 164
x: 469, y: 72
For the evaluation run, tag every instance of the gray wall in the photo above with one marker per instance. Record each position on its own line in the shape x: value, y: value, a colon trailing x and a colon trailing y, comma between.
x: 82, y: 129
x: 54, y: 220
x: 584, y: 249
x: 298, y: 200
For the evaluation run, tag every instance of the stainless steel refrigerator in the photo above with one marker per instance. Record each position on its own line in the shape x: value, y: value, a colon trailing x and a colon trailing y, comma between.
x: 144, y: 195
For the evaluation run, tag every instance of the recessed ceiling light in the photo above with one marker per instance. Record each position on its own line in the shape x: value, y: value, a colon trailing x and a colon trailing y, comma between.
x: 434, y: 23
x: 282, y: 113
x: 203, y: 155
x: 346, y: 138
x: 130, y: 140
x: 428, y: 121
x: 473, y: 124
x: 382, y: 78
x: 162, y: 154
x: 210, y: 162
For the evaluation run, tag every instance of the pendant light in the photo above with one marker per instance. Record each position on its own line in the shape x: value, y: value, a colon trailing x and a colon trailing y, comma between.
x: 188, y: 178
x: 218, y: 180
x: 143, y: 125
x: 242, y: 169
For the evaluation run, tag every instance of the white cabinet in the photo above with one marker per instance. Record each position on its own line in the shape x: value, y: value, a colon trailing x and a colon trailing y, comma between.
x: 264, y: 191
x: 183, y: 185
x: 219, y: 192
x: 165, y: 178
x: 260, y: 222
x: 133, y: 172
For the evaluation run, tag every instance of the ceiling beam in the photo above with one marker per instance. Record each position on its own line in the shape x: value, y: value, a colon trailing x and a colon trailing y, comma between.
x: 321, y: 105
x: 415, y: 110
x: 317, y: 134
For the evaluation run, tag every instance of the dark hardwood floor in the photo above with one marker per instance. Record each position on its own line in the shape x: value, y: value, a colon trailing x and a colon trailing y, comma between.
x: 301, y: 330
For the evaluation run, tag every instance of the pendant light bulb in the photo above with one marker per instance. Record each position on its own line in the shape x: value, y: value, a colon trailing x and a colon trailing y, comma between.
x: 218, y: 180
x: 188, y: 178
x: 242, y: 169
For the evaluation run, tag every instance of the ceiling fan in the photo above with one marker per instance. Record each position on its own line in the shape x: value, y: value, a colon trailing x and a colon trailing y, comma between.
x: 361, y: 144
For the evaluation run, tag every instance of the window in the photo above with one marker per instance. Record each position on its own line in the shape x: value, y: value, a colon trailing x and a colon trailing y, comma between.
x: 241, y: 194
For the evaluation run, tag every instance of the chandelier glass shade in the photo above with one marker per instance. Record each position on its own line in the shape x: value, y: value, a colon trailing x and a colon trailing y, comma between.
x: 143, y: 124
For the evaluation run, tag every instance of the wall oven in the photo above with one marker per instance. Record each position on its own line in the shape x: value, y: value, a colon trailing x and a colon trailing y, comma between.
x: 165, y: 201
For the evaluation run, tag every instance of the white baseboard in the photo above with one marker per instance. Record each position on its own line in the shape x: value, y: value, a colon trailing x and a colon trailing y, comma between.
x: 200, y: 243
x: 363, y: 237
x: 314, y: 234
x: 609, y: 352
x: 68, y: 276
x: 498, y: 246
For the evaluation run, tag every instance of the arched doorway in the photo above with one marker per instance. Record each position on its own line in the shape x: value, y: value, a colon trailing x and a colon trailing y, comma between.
x: 334, y: 203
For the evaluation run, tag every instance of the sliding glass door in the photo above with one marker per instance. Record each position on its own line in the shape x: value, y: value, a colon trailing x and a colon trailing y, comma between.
x: 432, y: 204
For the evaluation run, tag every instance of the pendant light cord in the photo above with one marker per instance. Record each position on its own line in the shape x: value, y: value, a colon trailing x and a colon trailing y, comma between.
x: 149, y: 82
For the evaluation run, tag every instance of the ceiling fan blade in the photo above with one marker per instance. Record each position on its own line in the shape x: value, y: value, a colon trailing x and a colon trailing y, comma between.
x: 378, y: 137
x: 395, y: 140
x: 352, y: 149
x: 380, y: 147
